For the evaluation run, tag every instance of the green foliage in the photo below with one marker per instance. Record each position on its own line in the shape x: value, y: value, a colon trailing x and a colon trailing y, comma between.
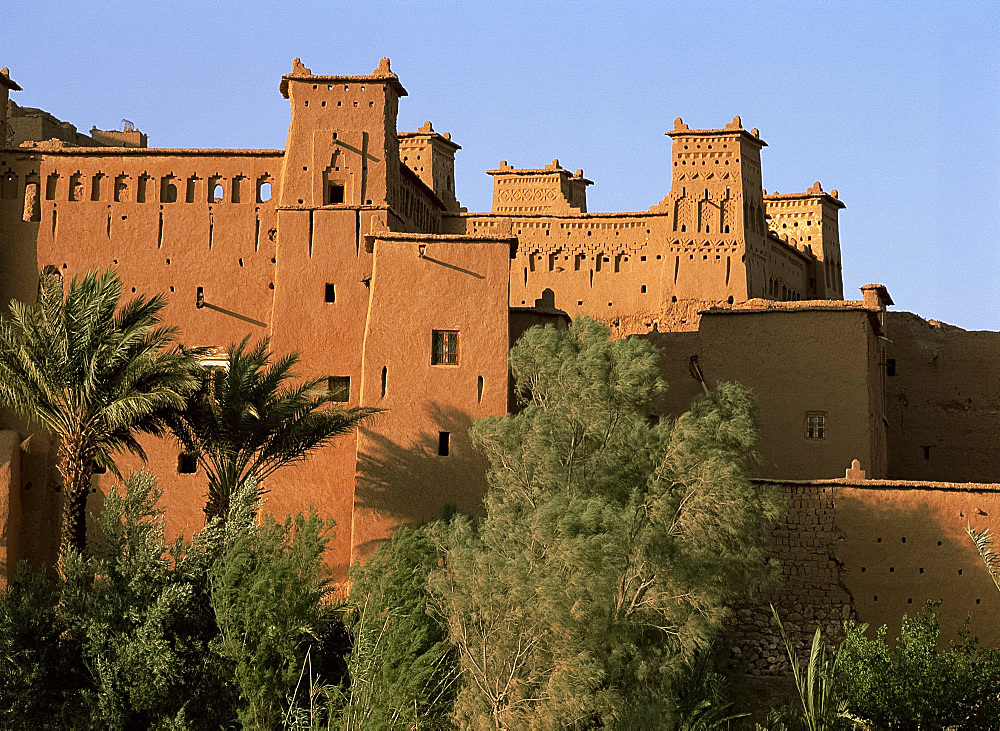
x: 92, y: 371
x: 207, y: 633
x: 702, y: 697
x: 39, y: 668
x: 913, y: 684
x: 244, y: 422
x: 267, y: 591
x: 815, y: 683
x: 139, y: 623
x: 611, y: 547
x: 402, y: 670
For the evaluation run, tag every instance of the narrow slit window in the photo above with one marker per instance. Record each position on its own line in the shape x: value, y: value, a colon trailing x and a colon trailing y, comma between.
x: 444, y: 347
x: 890, y: 366
x: 816, y: 425
x: 330, y: 293
x: 339, y: 388
x: 444, y: 443
x: 385, y: 379
x: 187, y: 463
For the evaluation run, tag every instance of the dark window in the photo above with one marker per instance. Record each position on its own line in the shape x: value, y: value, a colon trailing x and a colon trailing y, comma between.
x: 339, y: 387
x: 927, y: 451
x: 100, y: 469
x: 330, y: 293
x: 890, y: 366
x: 336, y: 193
x: 187, y: 463
x: 444, y: 443
x: 815, y: 425
x: 444, y: 347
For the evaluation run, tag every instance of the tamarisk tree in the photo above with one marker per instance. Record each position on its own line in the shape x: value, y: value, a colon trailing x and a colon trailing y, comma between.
x: 613, y: 542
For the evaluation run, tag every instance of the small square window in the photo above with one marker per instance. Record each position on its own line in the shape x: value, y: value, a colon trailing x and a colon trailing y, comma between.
x: 890, y: 366
x: 444, y: 443
x: 444, y: 347
x: 816, y: 425
x: 339, y: 387
x: 336, y: 193
x: 330, y: 293
x: 187, y: 463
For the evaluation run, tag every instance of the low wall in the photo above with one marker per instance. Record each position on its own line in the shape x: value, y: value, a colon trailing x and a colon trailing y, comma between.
x: 10, y: 505
x: 872, y: 550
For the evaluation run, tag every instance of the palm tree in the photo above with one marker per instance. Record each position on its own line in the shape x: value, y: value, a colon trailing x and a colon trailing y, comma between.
x: 94, y: 373
x: 243, y: 422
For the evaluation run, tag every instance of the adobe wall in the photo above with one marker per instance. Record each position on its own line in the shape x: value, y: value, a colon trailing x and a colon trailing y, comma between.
x: 171, y: 222
x: 872, y: 550
x: 799, y: 358
x: 422, y: 283
x: 10, y: 505
x: 705, y: 243
x: 943, y: 400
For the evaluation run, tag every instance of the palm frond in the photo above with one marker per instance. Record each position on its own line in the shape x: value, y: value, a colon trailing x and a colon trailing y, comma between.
x: 249, y: 420
x: 81, y: 363
x: 984, y: 544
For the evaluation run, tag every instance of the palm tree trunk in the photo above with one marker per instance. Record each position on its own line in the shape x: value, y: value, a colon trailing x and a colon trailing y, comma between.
x: 76, y: 465
x: 217, y: 505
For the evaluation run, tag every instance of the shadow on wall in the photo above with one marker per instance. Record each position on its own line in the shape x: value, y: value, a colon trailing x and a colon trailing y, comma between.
x: 409, y: 485
x: 901, y: 547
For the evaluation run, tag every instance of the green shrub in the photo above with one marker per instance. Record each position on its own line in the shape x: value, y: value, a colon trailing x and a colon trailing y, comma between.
x: 402, y: 671
x: 913, y: 684
x: 204, y: 634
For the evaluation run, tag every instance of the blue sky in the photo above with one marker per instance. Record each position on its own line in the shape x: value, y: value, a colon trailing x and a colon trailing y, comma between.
x: 895, y: 104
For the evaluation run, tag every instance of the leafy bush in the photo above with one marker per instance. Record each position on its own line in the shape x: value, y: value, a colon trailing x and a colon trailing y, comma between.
x: 913, y: 684
x: 402, y: 671
x: 205, y: 633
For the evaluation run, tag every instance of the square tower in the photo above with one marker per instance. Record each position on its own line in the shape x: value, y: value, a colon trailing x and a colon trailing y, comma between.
x: 342, y: 147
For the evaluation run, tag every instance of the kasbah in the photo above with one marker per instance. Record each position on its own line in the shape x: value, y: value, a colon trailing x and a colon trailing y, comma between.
x: 351, y: 247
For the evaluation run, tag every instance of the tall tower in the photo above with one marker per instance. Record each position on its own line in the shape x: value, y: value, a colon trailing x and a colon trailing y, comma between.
x: 716, y: 183
x: 342, y: 146
x: 432, y: 157
x: 715, y: 209
x: 7, y: 85
x: 810, y: 220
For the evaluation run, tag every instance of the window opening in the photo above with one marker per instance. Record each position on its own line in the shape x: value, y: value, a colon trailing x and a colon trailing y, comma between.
x: 816, y: 425
x: 444, y: 347
x: 330, y: 293
x: 336, y: 193
x: 890, y: 366
x: 385, y: 379
x: 187, y: 463
x: 339, y: 388
x: 444, y: 443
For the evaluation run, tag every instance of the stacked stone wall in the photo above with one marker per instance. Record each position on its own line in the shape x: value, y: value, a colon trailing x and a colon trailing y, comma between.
x: 869, y: 550
x: 811, y: 594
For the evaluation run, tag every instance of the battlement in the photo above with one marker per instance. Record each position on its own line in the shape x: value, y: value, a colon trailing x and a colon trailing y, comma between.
x: 382, y: 74
x: 551, y: 189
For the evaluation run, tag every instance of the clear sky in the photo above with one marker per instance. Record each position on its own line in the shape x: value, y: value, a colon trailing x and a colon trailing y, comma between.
x: 895, y: 104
